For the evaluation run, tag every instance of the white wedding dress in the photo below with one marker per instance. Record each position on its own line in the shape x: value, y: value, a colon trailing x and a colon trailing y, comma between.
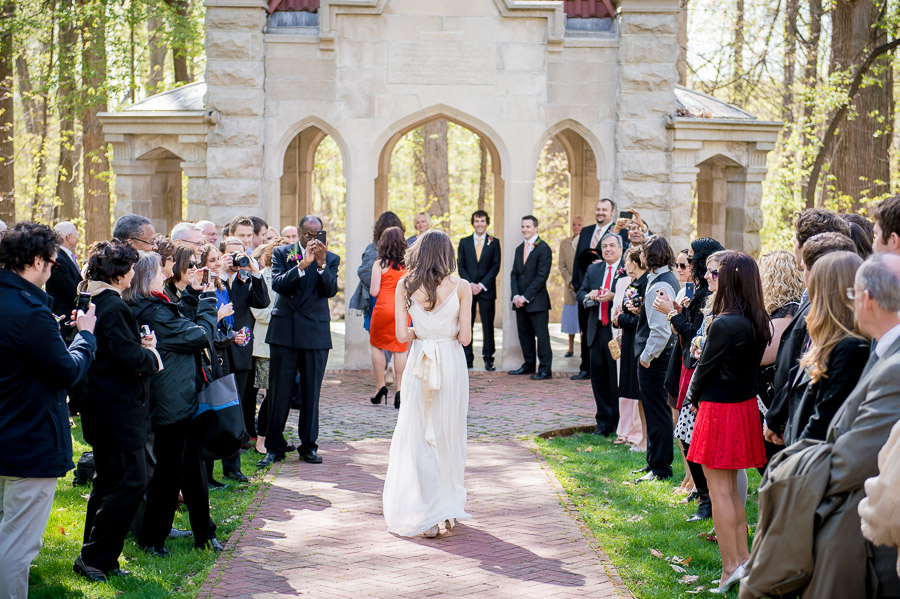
x: 424, y: 484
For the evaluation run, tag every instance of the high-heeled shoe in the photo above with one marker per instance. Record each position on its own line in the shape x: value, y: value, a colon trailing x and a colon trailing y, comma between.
x: 381, y: 395
x: 735, y: 577
x: 396, y: 400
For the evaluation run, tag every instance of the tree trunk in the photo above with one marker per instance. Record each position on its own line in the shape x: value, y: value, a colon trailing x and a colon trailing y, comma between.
x: 182, y: 10
x: 861, y: 161
x: 96, y: 165
x: 30, y: 109
x: 482, y: 185
x: 738, y: 53
x: 790, y: 59
x: 65, y: 182
x: 157, y: 55
x: 810, y: 72
x: 37, y: 201
x: 7, y: 120
x: 437, y: 172
x: 681, y: 64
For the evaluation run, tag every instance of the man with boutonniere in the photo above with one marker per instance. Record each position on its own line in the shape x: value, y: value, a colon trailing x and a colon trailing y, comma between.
x: 478, y: 259
x: 304, y: 275
x: 530, y: 300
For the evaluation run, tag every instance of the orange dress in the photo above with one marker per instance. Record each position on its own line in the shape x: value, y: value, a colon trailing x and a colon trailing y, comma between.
x: 382, y: 333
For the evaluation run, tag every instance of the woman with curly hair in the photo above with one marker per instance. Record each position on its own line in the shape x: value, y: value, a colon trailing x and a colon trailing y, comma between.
x: 114, y: 415
x: 386, y: 272
x: 424, y: 486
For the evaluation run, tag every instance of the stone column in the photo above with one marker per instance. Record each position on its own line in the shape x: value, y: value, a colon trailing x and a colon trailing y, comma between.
x: 712, y: 194
x: 235, y: 76
x: 684, y: 176
x: 646, y: 96
x: 753, y: 215
x: 360, y: 221
x: 133, y: 186
x: 196, y: 190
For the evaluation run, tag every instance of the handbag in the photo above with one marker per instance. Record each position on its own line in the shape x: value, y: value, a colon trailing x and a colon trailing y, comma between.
x: 615, y: 349
x: 219, y: 419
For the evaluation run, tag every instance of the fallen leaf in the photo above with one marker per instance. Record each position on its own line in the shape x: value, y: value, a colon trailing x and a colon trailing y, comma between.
x: 656, y: 553
x: 62, y: 531
x: 635, y: 519
x: 696, y: 591
x: 678, y: 569
x: 627, y: 484
x: 688, y: 579
x: 686, y: 561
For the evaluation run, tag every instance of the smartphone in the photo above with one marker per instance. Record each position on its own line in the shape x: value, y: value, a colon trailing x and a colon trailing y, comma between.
x: 626, y: 214
x: 689, y: 290
x: 204, y: 280
x: 83, y: 302
x: 145, y: 331
x: 322, y: 237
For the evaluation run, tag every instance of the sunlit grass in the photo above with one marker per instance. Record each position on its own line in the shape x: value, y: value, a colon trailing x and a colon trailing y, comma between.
x: 630, y: 520
x: 179, y: 575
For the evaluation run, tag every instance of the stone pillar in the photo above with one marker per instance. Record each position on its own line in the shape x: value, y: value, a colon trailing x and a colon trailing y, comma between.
x: 289, y: 185
x: 133, y: 185
x: 235, y: 75
x: 684, y: 177
x: 753, y: 215
x: 360, y: 221
x: 646, y: 96
x: 195, y: 171
x: 712, y: 193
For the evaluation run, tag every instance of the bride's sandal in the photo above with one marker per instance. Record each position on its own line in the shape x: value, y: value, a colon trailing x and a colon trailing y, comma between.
x: 449, y: 524
x: 432, y: 532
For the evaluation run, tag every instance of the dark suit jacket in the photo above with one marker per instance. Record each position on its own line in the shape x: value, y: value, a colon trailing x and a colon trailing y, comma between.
x: 584, y: 243
x: 301, y: 318
x: 593, y: 279
x: 793, y: 344
x: 244, y: 295
x: 530, y: 279
x: 482, y: 271
x: 62, y: 285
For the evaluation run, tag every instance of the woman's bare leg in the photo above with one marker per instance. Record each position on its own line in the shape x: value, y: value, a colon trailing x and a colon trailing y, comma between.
x: 399, y: 367
x: 724, y: 497
x: 378, y: 363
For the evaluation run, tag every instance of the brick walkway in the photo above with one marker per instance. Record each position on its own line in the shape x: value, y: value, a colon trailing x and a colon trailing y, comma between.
x: 317, y: 531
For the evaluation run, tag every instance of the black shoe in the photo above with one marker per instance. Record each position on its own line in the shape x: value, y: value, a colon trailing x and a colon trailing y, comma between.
x: 270, y: 459
x: 177, y: 533
x: 238, y: 476
x: 380, y: 396
x: 542, y: 376
x: 213, y: 544
x: 290, y: 448
x: 568, y: 354
x: 119, y: 572
x: 650, y: 477
x: 310, y: 457
x: 522, y: 370
x: 639, y: 470
x: 489, y: 366
x: 396, y: 407
x: 581, y: 376
x: 156, y: 551
x: 604, y: 432
x: 93, y: 574
x: 214, y: 484
x: 247, y: 444
x: 703, y: 513
x: 470, y: 365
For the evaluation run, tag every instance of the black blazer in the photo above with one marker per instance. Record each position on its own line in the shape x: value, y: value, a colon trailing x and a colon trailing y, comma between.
x: 62, y: 285
x: 482, y: 271
x: 584, y: 243
x: 726, y: 372
x: 530, y: 279
x: 794, y: 341
x: 301, y: 318
x: 593, y: 279
x: 252, y: 293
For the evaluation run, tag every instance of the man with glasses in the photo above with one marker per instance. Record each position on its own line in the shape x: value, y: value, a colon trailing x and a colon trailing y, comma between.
x: 210, y: 233
x: 137, y: 231
x: 188, y: 235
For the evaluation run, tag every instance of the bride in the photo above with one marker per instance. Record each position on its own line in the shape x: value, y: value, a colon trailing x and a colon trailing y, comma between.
x: 424, y: 486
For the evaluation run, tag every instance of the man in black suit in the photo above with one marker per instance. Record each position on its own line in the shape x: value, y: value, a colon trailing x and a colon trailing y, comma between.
x: 63, y: 283
x: 246, y: 289
x: 528, y: 284
x: 596, y: 295
x: 479, y: 263
x: 305, y: 276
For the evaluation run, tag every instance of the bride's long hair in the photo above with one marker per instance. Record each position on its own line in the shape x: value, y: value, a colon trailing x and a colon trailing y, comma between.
x: 428, y: 261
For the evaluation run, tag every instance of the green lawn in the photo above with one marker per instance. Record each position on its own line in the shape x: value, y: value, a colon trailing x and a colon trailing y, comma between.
x: 641, y: 527
x: 178, y: 576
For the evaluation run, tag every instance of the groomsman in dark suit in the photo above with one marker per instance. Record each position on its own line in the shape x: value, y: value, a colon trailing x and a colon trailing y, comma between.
x: 596, y: 295
x: 63, y: 283
x: 478, y: 258
x: 304, y: 275
x: 528, y: 284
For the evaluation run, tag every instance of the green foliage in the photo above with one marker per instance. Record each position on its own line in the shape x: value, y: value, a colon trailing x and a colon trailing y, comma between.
x: 629, y: 520
x: 179, y: 575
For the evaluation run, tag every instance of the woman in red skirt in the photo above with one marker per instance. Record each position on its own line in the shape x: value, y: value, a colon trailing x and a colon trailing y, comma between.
x: 728, y: 431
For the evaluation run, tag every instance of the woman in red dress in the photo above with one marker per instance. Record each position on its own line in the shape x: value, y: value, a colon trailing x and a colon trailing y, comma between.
x: 387, y: 270
x: 728, y: 431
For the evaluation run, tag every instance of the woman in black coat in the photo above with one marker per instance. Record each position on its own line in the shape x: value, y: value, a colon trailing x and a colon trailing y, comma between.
x: 173, y: 403
x: 114, y: 414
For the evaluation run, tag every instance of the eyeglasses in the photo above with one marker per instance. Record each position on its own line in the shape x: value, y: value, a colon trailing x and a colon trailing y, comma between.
x: 193, y: 264
x: 53, y: 263
x: 713, y: 274
x: 853, y: 292
x: 169, y: 259
x: 681, y: 266
x: 151, y: 243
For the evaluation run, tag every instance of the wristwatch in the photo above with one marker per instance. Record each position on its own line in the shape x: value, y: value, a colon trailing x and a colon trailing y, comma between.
x: 671, y: 315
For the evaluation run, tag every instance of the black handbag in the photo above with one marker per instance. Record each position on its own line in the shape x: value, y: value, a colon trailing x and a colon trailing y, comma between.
x: 220, y: 419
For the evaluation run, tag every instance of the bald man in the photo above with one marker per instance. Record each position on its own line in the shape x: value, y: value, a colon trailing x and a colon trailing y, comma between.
x: 291, y: 234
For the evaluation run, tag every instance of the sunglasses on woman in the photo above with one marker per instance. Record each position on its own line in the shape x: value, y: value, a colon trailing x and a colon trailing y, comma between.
x: 713, y: 274
x: 681, y: 266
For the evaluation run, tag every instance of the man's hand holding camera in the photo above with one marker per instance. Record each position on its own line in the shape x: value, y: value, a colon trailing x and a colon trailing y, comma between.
x: 240, y: 261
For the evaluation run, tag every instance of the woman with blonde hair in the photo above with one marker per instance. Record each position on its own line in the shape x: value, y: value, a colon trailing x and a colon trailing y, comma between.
x: 424, y: 487
x: 837, y: 354
x: 421, y: 224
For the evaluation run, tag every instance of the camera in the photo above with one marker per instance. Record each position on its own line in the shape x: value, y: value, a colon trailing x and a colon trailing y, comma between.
x: 239, y: 260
